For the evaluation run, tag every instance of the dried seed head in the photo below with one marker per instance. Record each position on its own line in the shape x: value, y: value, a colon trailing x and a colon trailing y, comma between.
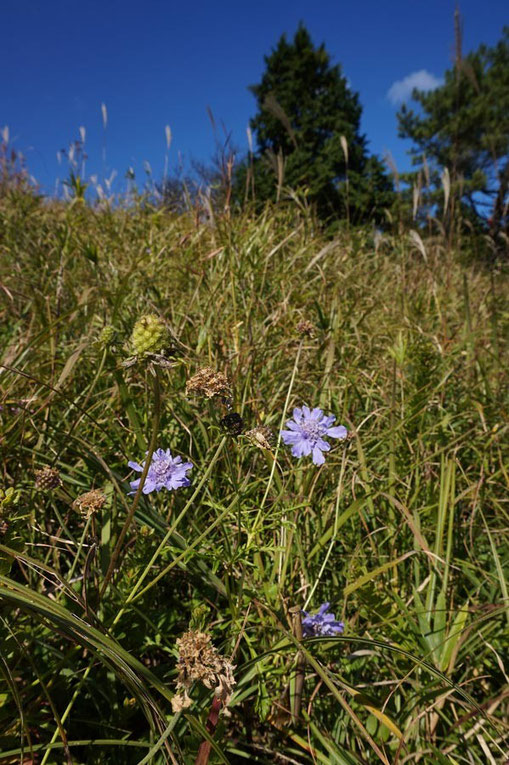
x: 90, y: 502
x: 180, y: 701
x: 47, y: 479
x: 304, y: 327
x: 261, y: 437
x: 150, y: 335
x: 200, y: 661
x: 233, y: 424
x: 208, y: 383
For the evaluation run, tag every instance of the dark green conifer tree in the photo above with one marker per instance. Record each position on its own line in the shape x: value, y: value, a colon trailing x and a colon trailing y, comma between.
x: 307, y: 130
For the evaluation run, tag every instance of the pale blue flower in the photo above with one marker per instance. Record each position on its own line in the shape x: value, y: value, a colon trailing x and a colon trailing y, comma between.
x: 165, y: 472
x: 307, y: 430
x: 322, y: 623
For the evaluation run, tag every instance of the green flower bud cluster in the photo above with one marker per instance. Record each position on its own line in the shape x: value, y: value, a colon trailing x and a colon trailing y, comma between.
x: 106, y: 336
x: 6, y: 497
x: 150, y: 335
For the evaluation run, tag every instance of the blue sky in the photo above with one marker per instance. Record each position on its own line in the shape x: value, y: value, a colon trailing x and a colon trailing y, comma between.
x: 156, y: 63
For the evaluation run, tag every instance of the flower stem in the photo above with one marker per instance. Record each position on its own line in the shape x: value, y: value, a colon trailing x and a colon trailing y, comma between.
x: 146, y: 466
x: 300, y: 661
x: 168, y: 534
x: 211, y: 725
x: 254, y: 529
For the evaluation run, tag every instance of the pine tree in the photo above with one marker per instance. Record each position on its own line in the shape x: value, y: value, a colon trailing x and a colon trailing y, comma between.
x: 307, y: 129
x: 463, y: 127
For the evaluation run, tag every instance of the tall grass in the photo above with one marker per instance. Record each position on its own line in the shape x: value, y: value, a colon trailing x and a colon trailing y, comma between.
x: 403, y: 530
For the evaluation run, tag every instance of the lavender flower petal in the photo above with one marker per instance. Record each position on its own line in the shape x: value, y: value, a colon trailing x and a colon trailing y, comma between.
x: 307, y: 432
x: 321, y: 623
x: 339, y: 432
x: 165, y: 472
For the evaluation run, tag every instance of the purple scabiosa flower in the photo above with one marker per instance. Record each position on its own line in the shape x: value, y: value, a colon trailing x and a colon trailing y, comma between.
x: 307, y: 430
x: 321, y: 623
x: 165, y: 472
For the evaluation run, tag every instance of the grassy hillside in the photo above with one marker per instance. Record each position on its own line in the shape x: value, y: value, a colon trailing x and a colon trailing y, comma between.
x: 402, y: 529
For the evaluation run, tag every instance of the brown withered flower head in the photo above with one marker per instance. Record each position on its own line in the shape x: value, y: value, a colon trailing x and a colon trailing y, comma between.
x: 206, y: 382
x: 47, y: 479
x: 90, y: 502
x: 262, y: 437
x: 304, y: 327
x: 199, y: 661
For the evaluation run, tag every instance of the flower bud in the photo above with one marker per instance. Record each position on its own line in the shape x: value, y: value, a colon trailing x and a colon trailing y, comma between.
x: 149, y: 335
x: 106, y: 336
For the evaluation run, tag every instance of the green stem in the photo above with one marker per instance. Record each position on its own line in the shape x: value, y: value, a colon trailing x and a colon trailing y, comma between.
x: 300, y: 666
x: 334, y: 535
x: 80, y: 547
x: 67, y: 711
x: 84, y: 404
x: 168, y: 534
x: 274, y: 463
x: 137, y: 496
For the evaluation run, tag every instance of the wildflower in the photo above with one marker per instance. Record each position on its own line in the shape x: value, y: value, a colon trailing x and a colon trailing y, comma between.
x: 262, y: 437
x: 307, y: 431
x: 321, y: 623
x: 233, y: 424
x: 199, y: 660
x: 150, y: 335
x: 90, y: 502
x: 165, y: 472
x: 47, y: 479
x: 208, y: 383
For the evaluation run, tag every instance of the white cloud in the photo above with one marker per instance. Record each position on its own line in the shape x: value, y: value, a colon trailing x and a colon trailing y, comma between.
x: 401, y: 90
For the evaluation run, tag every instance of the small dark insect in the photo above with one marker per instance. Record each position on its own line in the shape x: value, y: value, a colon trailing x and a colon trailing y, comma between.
x: 233, y: 424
